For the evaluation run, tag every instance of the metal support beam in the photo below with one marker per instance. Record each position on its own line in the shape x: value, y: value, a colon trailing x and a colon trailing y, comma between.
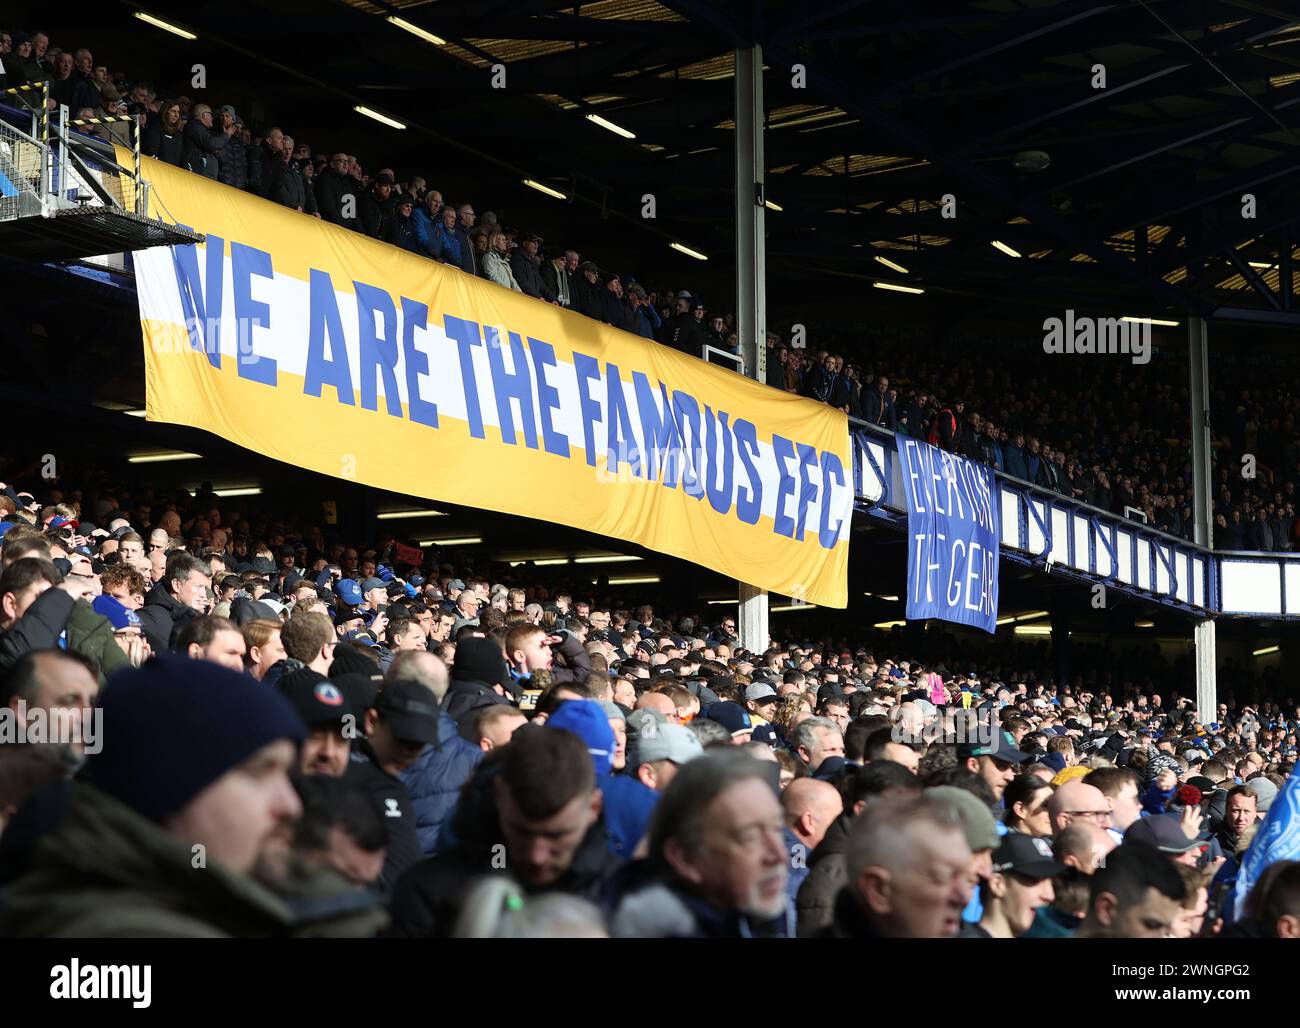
x: 1199, y: 402
x: 751, y: 247
x: 751, y: 279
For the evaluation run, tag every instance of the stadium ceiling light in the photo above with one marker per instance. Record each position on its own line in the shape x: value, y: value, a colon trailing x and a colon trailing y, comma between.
x: 614, y: 558
x: 1149, y: 321
x: 723, y: 603
x: 893, y: 286
x: 643, y: 580
x: 1009, y: 251
x: 1265, y: 651
x: 605, y: 123
x: 888, y: 597
x: 166, y: 26
x: 550, y: 562
x: 464, y: 540
x: 688, y: 251
x: 242, y: 490
x: 772, y: 206
x: 399, y: 515
x: 892, y: 265
x: 1144, y: 624
x: 162, y: 458
x: 415, y: 30
x: 1033, y: 629
x: 889, y: 624
x: 542, y: 188
x: 783, y: 607
x: 1262, y: 265
x: 383, y: 119
x: 134, y: 413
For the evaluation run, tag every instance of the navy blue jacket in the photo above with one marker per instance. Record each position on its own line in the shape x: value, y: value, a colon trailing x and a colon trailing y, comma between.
x: 434, y: 781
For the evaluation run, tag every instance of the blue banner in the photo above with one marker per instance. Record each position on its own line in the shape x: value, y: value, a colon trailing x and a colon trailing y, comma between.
x: 1277, y: 838
x: 953, y: 532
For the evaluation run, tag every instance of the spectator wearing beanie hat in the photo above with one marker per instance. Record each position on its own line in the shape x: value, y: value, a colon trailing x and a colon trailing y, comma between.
x: 182, y: 822
x: 480, y: 678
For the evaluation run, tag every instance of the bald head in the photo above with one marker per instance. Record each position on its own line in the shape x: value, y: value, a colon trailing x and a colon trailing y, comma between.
x: 810, y: 806
x: 658, y: 701
x: 1083, y: 846
x: 1076, y: 801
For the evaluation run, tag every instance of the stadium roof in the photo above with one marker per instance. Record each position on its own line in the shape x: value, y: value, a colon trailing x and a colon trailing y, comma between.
x: 1108, y: 144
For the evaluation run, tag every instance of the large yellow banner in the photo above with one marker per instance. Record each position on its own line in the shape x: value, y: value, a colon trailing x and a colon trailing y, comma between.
x: 334, y: 352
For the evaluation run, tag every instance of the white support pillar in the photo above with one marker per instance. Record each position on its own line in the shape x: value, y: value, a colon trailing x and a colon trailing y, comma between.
x: 1207, y: 698
x: 751, y: 280
x: 752, y: 625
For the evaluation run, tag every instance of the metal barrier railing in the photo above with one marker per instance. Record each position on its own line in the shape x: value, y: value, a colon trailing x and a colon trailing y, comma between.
x: 137, y: 198
x: 40, y: 113
x: 26, y: 167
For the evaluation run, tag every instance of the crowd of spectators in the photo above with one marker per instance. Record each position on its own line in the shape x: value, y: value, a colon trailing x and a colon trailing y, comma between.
x: 406, y: 211
x: 425, y: 749
x: 1120, y: 442
x: 1115, y: 439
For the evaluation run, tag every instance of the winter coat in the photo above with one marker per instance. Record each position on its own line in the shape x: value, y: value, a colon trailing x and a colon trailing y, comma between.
x: 435, y: 779
x: 108, y: 872
x: 528, y: 273
x: 393, y: 802
x: 38, y: 629
x: 651, y: 906
x: 429, y: 897
x: 265, y: 166
x: 202, y: 145
x: 91, y: 635
x: 162, y: 617
x: 375, y: 215
x: 401, y: 232
x: 469, y: 259
x: 827, y: 874
x: 465, y: 698
x: 232, y: 163
x: 331, y: 187
x: 496, y: 268
x: 168, y: 147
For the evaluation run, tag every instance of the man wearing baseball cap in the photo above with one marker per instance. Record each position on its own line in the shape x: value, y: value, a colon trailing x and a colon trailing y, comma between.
x: 760, y: 704
x: 402, y: 722
x: 181, y: 816
x: 1019, y: 882
x: 994, y: 761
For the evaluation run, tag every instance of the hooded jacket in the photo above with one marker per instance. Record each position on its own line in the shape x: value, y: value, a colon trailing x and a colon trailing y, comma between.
x: 108, y: 872
x: 465, y: 698
x: 429, y: 897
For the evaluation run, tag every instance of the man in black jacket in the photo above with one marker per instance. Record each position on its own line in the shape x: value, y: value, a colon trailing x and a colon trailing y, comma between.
x: 375, y: 211
x: 534, y: 800
x: 203, y: 142
x: 181, y: 596
x: 479, y: 678
x: 586, y: 294
x: 232, y: 159
x: 266, y: 165
x: 527, y: 267
x: 337, y: 195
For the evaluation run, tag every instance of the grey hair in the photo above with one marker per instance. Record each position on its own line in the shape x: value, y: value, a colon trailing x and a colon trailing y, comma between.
x: 806, y: 734
x: 882, y: 834
x: 680, y: 812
